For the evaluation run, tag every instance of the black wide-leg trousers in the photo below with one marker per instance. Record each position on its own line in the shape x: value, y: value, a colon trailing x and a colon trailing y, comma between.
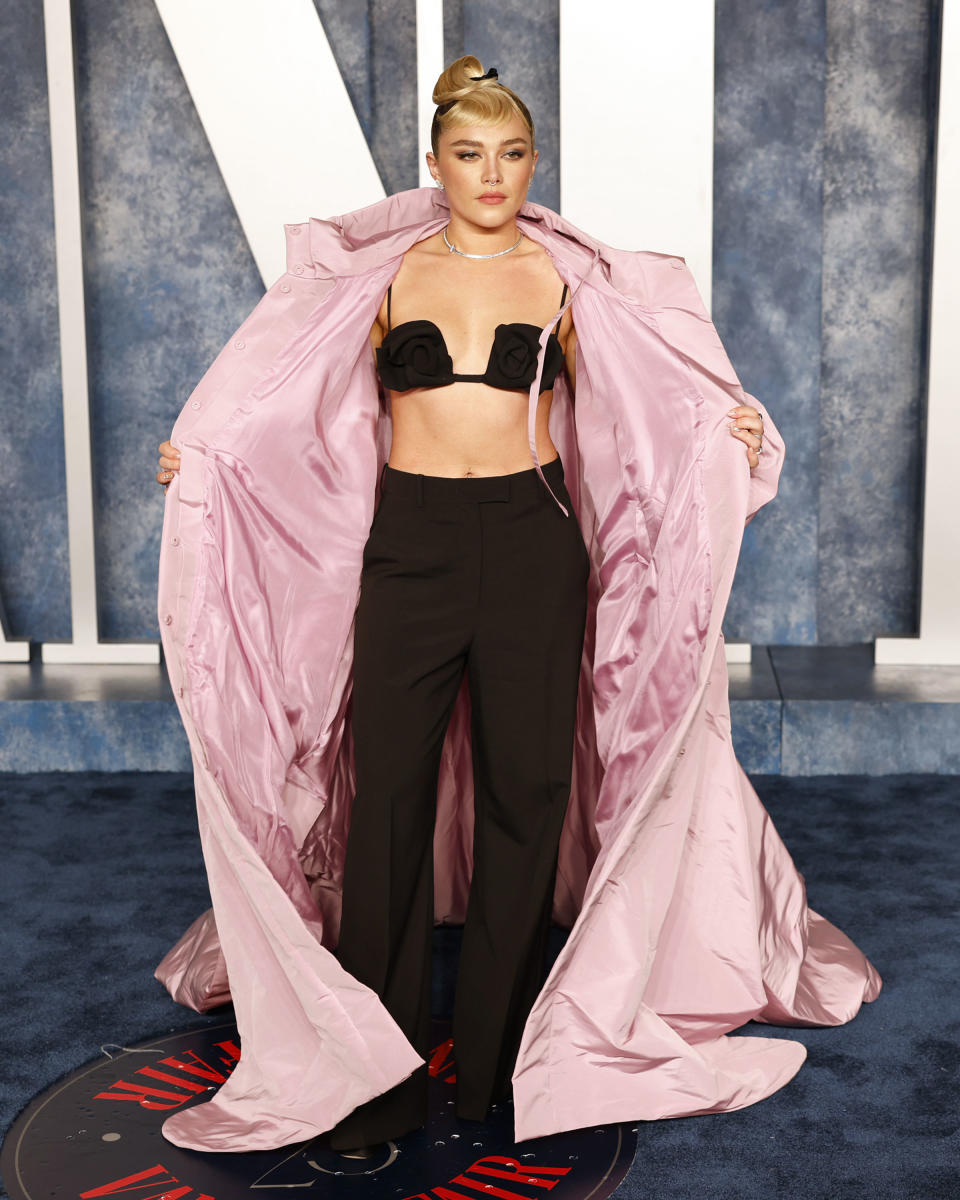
x: 480, y: 574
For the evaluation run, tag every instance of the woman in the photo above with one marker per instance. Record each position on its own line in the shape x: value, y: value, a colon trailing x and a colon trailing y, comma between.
x: 475, y: 567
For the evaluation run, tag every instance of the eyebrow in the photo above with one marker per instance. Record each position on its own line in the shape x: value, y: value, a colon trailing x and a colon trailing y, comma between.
x: 506, y: 142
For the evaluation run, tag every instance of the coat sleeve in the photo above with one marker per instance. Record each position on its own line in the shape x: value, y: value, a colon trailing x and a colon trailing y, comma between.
x: 673, y: 294
x: 194, y: 971
x: 694, y: 918
x: 258, y: 581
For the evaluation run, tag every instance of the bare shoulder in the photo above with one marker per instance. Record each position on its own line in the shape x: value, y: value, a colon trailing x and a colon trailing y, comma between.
x: 428, y: 248
x: 548, y: 277
x: 421, y: 257
x: 539, y: 261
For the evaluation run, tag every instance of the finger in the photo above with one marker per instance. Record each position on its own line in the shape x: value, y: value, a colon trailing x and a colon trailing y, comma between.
x: 169, y: 464
x: 164, y: 477
x: 168, y: 450
x: 746, y: 435
x: 755, y: 423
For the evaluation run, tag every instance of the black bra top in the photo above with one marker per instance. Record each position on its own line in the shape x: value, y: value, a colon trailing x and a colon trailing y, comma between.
x: 414, y: 355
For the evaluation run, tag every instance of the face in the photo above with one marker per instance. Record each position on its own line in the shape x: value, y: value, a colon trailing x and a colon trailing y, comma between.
x: 486, y: 170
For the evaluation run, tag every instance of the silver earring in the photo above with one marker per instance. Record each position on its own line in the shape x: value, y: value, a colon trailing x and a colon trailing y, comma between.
x: 439, y: 183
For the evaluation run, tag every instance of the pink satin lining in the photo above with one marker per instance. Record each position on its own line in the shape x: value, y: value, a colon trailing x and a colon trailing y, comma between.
x: 687, y: 915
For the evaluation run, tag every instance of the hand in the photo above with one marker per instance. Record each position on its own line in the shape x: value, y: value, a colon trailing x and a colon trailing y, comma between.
x: 169, y: 462
x: 748, y: 427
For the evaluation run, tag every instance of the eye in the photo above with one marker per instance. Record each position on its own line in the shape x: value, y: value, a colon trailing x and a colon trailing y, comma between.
x: 467, y: 154
x: 514, y: 154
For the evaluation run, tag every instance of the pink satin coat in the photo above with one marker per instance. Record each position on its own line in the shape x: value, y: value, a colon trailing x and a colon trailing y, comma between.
x: 687, y: 915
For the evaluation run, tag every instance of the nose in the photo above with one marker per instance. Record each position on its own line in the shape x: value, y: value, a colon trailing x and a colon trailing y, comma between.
x: 491, y: 175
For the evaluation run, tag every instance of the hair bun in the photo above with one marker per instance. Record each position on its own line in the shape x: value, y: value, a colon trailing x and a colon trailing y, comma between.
x: 459, y: 80
x: 464, y: 95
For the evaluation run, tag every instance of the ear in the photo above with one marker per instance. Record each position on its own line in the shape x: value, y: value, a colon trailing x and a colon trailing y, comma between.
x: 432, y: 163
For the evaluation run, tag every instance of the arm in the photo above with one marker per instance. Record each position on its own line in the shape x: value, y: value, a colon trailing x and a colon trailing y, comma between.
x: 569, y: 343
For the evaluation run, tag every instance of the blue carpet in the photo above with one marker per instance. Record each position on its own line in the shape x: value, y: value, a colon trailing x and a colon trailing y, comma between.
x: 102, y: 872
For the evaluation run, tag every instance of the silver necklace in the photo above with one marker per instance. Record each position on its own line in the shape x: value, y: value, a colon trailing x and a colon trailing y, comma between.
x: 463, y: 254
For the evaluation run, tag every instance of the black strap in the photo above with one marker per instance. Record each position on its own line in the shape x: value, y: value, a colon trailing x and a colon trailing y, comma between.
x: 563, y: 300
x: 389, y: 290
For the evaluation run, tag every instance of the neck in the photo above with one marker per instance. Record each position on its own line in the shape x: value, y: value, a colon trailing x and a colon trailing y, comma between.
x: 475, y: 239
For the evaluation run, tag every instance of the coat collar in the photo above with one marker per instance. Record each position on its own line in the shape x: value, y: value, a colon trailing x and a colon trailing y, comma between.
x: 364, y: 240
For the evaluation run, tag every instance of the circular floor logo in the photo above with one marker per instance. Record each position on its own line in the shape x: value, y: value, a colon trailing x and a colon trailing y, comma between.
x: 95, y: 1135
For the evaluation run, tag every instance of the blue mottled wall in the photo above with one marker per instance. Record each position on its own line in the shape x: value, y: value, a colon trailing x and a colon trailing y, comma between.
x: 34, y: 581
x: 822, y: 180
x: 162, y: 295
x: 768, y: 213
x: 875, y: 230
x: 822, y: 200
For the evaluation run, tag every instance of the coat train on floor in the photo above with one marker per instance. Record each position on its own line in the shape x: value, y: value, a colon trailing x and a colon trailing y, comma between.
x: 687, y: 915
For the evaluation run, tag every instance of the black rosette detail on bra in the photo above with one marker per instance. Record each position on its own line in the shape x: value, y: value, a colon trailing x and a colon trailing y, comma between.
x: 414, y: 354
x: 513, y: 359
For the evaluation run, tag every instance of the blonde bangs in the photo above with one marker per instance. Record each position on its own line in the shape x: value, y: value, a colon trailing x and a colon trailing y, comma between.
x: 464, y: 99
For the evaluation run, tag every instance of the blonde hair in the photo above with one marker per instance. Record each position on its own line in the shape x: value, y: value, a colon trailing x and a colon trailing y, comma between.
x: 464, y: 99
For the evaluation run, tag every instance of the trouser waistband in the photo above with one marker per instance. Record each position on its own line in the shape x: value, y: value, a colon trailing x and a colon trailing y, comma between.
x: 426, y: 489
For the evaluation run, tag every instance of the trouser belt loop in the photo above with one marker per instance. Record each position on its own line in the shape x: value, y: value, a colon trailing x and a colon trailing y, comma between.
x: 420, y: 491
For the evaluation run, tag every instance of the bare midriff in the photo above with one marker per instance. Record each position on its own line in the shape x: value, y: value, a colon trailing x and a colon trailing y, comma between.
x: 488, y: 437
